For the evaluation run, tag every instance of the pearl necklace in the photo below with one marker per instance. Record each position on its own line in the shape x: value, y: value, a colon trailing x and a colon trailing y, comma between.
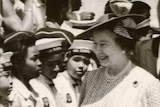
x: 119, y: 75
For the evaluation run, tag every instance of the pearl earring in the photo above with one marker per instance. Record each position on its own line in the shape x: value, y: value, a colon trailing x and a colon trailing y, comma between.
x: 123, y: 51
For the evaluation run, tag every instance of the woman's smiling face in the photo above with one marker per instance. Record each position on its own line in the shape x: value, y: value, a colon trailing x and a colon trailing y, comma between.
x: 106, y: 48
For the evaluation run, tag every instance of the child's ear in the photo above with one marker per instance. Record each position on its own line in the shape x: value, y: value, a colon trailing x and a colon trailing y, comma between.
x: 66, y: 55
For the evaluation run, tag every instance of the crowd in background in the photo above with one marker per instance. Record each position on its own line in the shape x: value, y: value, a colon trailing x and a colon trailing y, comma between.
x: 52, y: 54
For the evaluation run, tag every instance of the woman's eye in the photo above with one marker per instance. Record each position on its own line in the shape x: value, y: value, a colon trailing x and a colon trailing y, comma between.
x: 77, y: 59
x: 6, y: 74
x: 103, y: 44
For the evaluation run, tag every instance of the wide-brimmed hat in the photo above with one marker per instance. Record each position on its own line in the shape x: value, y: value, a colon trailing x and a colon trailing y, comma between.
x: 146, y: 24
x: 143, y: 30
x: 119, y: 25
x: 156, y: 40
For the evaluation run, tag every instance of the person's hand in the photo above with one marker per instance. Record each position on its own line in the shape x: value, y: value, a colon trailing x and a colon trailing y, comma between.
x: 87, y: 15
x: 18, y: 5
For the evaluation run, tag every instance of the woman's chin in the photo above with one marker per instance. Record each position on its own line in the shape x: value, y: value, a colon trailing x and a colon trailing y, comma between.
x: 104, y: 63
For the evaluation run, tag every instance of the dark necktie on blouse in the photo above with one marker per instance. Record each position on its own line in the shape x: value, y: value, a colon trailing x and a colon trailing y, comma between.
x: 58, y: 99
x: 77, y: 86
x: 53, y: 88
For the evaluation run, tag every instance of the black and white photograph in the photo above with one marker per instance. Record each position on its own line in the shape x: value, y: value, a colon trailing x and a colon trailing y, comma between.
x: 79, y: 53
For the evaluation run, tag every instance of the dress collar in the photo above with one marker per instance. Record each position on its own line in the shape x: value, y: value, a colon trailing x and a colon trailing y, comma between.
x: 19, y: 87
x: 71, y: 80
x: 123, y: 72
x: 45, y: 80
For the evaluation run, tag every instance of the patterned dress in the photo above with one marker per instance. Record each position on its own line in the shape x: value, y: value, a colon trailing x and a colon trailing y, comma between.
x: 133, y: 87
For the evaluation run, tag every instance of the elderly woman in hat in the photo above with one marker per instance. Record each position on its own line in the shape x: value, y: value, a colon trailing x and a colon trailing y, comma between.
x: 77, y: 60
x: 25, y: 66
x: 118, y: 82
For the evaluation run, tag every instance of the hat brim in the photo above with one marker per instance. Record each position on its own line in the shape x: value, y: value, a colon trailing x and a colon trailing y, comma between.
x: 155, y: 46
x: 155, y: 42
x: 156, y: 30
x: 54, y: 33
x: 87, y: 34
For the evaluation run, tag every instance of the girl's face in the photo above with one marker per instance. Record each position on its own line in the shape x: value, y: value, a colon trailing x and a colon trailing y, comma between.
x: 32, y: 64
x: 77, y: 66
x: 5, y: 82
x: 52, y: 65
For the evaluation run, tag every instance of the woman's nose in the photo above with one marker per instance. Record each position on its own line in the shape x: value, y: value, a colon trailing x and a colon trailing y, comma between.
x: 97, y: 49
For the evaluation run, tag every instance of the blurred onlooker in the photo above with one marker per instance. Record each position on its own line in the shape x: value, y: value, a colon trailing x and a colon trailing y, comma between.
x: 12, y: 22
x: 144, y: 33
x: 57, y: 11
x: 75, y: 15
x: 145, y: 57
x: 25, y: 66
x: 22, y: 15
x: 38, y: 12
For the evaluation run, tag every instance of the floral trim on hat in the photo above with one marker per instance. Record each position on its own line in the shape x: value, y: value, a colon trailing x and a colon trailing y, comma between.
x: 121, y: 28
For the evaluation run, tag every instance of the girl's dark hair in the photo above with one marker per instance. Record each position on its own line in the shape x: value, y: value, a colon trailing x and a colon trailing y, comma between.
x: 56, y: 10
x: 76, y: 4
x: 88, y: 55
x: 19, y: 45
